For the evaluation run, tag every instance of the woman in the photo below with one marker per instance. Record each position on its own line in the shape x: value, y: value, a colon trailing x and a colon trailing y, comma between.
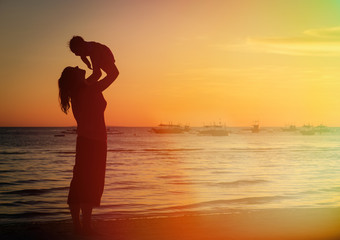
x: 88, y: 106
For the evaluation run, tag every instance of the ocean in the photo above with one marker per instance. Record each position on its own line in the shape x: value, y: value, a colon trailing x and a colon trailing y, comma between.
x: 160, y: 175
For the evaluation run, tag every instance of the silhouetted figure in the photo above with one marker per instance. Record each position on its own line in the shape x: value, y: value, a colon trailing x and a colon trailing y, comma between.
x: 99, y: 54
x: 88, y: 106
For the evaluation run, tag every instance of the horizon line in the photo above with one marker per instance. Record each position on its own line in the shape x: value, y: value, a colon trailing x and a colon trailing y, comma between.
x: 74, y: 126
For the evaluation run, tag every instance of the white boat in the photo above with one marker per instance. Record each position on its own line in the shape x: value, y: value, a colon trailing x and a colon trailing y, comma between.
x: 170, y: 128
x: 214, y: 130
x: 322, y: 129
x: 307, y: 130
x: 290, y: 128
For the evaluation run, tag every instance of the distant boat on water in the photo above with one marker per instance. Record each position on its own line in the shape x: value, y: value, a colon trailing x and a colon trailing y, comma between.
x: 290, y: 128
x: 170, y: 128
x: 322, y: 129
x: 255, y: 128
x: 311, y: 130
x: 307, y: 130
x: 214, y: 130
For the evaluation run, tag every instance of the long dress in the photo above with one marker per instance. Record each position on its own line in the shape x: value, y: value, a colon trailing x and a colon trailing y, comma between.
x: 88, y: 180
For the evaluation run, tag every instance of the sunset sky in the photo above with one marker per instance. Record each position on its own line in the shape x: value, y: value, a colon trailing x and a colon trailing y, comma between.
x: 189, y: 62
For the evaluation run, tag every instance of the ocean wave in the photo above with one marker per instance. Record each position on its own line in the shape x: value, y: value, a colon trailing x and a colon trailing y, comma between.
x: 126, y: 183
x: 221, y: 172
x: 155, y: 150
x: 226, y: 203
x: 122, y: 206
x: 238, y: 183
x: 114, y: 164
x: 34, y: 192
x: 334, y: 189
x: 170, y: 176
x: 123, y: 214
x: 121, y: 150
x: 9, y: 205
x: 171, y: 149
x: 30, y: 202
x: 129, y: 188
x: 256, y: 149
x: 32, y: 214
x: 182, y: 182
x: 11, y: 171
x: 65, y: 152
x: 13, y: 152
x: 7, y: 184
x: 28, y: 181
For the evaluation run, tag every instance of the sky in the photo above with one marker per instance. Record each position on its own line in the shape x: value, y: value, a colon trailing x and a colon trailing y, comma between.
x: 187, y: 62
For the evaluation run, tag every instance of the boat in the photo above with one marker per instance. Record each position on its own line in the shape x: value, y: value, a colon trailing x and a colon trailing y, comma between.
x: 322, y: 129
x: 290, y: 128
x: 170, y: 128
x: 255, y: 128
x: 214, y: 130
x: 307, y: 130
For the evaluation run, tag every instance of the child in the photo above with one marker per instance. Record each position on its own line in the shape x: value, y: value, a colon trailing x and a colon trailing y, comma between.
x: 100, y: 55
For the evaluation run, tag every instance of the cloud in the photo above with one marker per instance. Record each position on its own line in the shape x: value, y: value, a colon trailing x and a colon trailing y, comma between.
x: 313, y: 42
x: 329, y: 33
x: 295, y: 47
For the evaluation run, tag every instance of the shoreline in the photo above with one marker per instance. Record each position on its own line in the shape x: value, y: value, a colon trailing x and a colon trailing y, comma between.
x: 265, y: 224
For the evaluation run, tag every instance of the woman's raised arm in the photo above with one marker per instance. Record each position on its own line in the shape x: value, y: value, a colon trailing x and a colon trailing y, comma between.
x: 108, y: 79
x: 95, y: 76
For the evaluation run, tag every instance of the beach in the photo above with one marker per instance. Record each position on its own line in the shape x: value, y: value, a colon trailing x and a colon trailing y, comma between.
x: 269, y: 224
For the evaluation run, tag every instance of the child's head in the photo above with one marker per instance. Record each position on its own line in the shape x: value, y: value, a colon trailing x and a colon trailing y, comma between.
x: 76, y: 45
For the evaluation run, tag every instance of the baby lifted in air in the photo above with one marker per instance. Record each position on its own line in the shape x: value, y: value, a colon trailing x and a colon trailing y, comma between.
x: 100, y: 56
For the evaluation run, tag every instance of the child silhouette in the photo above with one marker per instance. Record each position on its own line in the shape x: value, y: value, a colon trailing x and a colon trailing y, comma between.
x: 99, y: 54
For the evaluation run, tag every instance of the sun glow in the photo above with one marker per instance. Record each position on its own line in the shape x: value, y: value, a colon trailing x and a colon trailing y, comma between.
x: 189, y: 63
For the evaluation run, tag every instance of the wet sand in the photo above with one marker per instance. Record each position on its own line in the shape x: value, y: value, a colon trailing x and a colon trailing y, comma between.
x: 283, y: 224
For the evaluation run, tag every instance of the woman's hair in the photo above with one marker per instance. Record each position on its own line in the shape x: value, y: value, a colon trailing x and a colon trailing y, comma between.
x: 67, y: 85
x: 75, y: 42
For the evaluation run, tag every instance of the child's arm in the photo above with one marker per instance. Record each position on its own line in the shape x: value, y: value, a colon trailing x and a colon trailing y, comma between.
x: 86, y: 61
x: 96, y: 74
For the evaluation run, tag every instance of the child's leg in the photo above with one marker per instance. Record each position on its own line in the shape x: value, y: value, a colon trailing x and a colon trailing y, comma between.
x: 109, y: 67
x: 107, y: 62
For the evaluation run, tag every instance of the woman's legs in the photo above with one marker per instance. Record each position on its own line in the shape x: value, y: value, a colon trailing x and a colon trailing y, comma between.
x: 75, y: 213
x: 85, y: 226
x: 87, y: 218
x: 87, y: 184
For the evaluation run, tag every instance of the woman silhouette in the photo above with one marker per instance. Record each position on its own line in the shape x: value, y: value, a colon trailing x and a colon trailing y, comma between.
x: 88, y: 106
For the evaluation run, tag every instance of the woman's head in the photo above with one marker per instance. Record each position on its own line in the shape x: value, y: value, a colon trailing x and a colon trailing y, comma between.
x: 76, y: 45
x: 71, y: 79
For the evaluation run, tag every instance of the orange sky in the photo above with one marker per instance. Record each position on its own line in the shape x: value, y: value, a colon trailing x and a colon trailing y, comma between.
x: 189, y: 62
